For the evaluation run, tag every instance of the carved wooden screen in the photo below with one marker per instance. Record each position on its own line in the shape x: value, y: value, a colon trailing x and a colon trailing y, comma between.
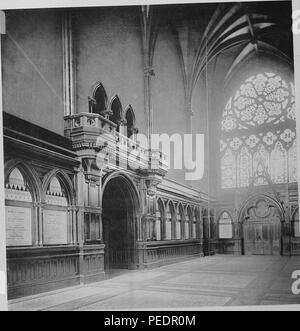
x: 262, y: 229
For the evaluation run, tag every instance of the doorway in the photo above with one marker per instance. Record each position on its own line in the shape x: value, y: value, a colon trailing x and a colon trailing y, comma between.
x: 119, y: 220
x: 262, y: 229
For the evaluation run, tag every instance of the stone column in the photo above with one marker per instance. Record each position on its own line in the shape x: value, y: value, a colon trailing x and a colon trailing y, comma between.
x: 36, y: 214
x: 40, y: 223
x: 75, y: 229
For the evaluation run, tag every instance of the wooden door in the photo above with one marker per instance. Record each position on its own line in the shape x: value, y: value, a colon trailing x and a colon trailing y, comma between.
x: 262, y: 237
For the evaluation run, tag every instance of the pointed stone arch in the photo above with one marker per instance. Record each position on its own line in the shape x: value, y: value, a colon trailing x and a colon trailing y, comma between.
x: 65, y: 181
x: 116, y: 110
x: 130, y: 120
x: 29, y: 174
x: 262, y: 219
x: 99, y: 100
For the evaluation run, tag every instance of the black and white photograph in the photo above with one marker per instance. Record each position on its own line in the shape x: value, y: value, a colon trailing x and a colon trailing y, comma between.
x: 150, y: 158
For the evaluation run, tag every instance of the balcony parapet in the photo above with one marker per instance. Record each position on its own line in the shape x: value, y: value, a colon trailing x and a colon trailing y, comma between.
x: 92, y: 134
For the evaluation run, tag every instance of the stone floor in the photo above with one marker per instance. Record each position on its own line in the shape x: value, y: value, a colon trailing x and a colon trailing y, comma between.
x: 215, y: 281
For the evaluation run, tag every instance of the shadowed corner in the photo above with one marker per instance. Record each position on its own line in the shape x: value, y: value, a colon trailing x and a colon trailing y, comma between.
x: 3, y: 296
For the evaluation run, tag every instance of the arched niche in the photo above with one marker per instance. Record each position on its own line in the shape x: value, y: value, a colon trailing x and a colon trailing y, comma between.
x: 116, y: 112
x: 20, y: 211
x: 57, y: 216
x: 99, y: 101
x: 170, y: 220
x: 180, y: 220
x: 130, y: 122
x: 160, y: 219
x: 225, y: 226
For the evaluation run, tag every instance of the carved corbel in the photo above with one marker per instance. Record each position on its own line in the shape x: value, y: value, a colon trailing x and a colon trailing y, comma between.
x: 151, y: 184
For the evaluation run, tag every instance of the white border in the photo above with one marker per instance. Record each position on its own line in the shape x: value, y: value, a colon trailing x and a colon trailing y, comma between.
x: 22, y: 4
x: 26, y: 4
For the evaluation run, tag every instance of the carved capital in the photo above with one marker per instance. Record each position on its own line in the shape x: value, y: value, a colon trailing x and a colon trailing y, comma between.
x: 39, y: 204
x: 149, y: 72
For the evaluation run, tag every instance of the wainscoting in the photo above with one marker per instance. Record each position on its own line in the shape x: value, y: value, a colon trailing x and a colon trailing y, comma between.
x: 227, y: 246
x: 155, y: 254
x: 295, y: 246
x: 41, y: 269
x: 35, y: 270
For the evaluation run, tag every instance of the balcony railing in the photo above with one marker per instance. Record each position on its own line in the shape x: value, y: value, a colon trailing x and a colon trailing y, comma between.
x: 94, y: 132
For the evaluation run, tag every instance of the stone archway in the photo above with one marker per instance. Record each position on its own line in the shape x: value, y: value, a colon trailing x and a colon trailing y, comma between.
x: 120, y: 214
x: 262, y: 227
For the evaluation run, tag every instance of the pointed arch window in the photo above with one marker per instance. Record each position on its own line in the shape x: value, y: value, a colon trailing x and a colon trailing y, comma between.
x: 225, y: 226
x: 259, y: 133
x: 293, y: 162
x: 116, y: 112
x: 228, y: 169
x: 279, y: 164
x: 98, y: 103
x: 244, y: 168
x: 130, y: 122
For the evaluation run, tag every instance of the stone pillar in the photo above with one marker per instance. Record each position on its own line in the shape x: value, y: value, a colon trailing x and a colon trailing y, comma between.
x: 3, y: 284
x: 40, y: 223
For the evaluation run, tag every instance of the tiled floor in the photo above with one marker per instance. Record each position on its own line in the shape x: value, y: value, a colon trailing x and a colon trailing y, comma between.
x: 203, y: 282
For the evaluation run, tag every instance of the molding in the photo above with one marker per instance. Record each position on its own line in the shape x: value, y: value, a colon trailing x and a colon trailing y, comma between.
x: 68, y: 64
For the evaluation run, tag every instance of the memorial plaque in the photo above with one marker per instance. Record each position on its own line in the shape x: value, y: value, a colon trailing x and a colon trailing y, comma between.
x: 55, y: 227
x: 18, y: 226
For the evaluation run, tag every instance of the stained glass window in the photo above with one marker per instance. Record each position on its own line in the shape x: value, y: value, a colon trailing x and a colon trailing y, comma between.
x: 258, y: 140
x: 244, y: 168
x: 292, y: 157
x: 228, y: 170
x: 279, y: 164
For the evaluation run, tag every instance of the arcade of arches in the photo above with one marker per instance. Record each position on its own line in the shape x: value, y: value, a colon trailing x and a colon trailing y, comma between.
x: 79, y: 207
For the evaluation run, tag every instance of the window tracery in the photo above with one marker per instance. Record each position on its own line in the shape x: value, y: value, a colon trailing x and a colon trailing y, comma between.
x: 259, y: 133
